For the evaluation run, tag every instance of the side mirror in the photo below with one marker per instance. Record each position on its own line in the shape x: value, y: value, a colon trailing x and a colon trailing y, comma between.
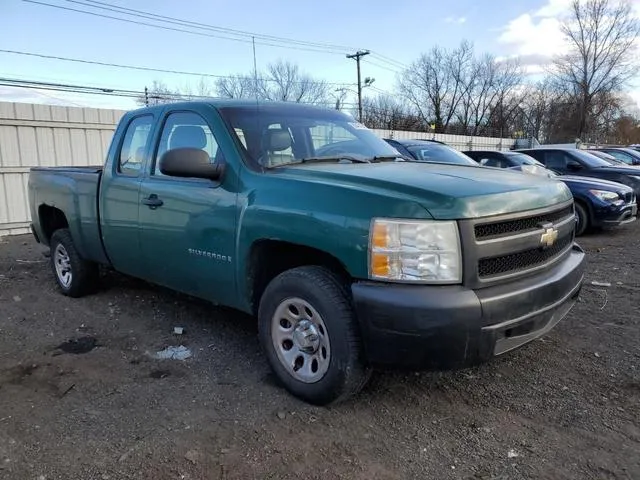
x: 190, y: 163
x: 573, y: 166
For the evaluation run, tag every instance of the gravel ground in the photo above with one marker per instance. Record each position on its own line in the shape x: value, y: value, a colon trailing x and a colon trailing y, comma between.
x: 565, y: 406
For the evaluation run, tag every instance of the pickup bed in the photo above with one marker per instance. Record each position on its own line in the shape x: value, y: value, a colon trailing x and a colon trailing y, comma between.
x: 351, y: 256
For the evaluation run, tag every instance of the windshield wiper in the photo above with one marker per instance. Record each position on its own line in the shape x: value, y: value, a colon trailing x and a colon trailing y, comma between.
x: 332, y: 159
x: 382, y: 158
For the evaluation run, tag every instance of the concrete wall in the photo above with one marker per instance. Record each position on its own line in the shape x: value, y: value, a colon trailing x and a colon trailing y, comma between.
x: 43, y: 135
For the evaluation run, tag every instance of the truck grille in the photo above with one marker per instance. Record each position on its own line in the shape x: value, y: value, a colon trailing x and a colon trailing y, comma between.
x: 533, y: 257
x: 491, y: 230
x: 512, y: 245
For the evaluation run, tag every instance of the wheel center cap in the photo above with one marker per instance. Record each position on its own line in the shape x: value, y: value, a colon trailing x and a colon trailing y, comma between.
x: 306, y: 337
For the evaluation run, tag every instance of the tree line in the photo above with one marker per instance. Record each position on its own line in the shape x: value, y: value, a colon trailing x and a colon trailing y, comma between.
x: 579, y: 96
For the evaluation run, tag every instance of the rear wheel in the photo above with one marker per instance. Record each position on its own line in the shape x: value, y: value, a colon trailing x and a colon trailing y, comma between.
x: 309, y: 332
x: 75, y: 276
x: 582, y: 217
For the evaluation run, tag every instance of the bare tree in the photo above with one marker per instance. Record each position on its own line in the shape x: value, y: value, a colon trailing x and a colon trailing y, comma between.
x: 600, y: 35
x: 158, y: 93
x: 490, y: 82
x: 436, y: 83
x: 282, y: 81
x: 236, y: 86
x: 202, y: 88
x: 387, y: 113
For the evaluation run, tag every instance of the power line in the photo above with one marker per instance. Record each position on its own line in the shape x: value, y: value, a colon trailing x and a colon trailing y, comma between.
x: 73, y: 88
x: 389, y: 61
x: 146, y: 69
x: 390, y: 69
x: 182, y: 22
x: 168, y: 19
x: 181, y: 30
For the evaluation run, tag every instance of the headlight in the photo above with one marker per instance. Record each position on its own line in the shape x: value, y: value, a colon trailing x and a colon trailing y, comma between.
x: 606, y: 196
x: 426, y: 251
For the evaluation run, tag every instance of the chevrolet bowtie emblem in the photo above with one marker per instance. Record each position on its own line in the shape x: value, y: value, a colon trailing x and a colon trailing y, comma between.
x: 549, y: 237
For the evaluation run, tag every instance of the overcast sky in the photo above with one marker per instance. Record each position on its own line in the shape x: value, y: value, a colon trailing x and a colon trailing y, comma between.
x: 397, y: 32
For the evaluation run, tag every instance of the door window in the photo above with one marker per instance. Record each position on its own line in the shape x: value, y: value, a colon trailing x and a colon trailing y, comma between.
x: 493, y: 162
x: 186, y: 129
x: 556, y: 160
x: 134, y: 146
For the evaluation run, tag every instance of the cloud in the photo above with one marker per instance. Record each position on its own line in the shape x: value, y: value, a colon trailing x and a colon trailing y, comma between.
x: 534, y: 36
x: 457, y: 20
x: 537, y: 34
x: 553, y: 8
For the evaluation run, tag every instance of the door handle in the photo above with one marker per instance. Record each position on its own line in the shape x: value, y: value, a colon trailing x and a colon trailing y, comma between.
x: 152, y: 201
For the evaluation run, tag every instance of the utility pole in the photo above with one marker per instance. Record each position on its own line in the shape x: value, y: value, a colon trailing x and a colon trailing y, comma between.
x: 357, y: 56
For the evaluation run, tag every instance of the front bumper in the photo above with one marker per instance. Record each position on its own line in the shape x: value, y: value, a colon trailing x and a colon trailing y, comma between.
x: 619, y: 216
x: 444, y: 327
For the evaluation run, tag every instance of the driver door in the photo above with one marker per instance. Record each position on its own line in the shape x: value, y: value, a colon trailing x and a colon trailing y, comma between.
x: 187, y: 225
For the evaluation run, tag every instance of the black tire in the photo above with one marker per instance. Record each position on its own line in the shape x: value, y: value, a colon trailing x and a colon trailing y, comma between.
x: 346, y: 373
x: 84, y: 274
x: 583, y: 219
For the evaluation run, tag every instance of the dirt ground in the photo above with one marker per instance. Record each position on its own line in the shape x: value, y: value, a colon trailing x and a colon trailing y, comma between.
x: 565, y: 406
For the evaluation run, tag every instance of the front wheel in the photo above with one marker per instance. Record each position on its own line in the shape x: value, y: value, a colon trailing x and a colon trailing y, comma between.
x: 310, y: 335
x: 582, y: 219
x: 75, y: 276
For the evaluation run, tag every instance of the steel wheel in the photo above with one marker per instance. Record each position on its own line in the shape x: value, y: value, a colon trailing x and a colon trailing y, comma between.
x: 62, y: 264
x: 301, y: 340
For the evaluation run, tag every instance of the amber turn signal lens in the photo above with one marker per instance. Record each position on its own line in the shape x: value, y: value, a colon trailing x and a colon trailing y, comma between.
x: 380, y: 265
x: 380, y: 235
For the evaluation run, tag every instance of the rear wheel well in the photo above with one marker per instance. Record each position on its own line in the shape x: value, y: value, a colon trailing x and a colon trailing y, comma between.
x: 269, y: 258
x: 51, y: 219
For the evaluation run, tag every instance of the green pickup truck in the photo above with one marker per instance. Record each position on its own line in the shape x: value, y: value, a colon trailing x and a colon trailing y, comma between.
x: 350, y: 256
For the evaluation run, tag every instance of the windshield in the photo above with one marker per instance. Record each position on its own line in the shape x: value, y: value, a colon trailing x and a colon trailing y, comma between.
x: 589, y: 159
x: 278, y: 135
x: 438, y: 153
x: 522, y: 159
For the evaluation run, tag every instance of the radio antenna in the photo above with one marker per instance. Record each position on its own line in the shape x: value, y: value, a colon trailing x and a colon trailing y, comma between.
x: 255, y: 88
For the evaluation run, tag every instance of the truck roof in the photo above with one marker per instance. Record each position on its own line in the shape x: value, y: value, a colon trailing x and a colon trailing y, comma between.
x: 238, y: 103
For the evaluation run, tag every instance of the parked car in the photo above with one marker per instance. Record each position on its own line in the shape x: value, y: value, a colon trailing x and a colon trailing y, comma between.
x: 630, y: 156
x: 301, y: 216
x: 431, y: 151
x: 584, y: 164
x: 598, y: 203
x: 605, y: 156
x: 501, y: 159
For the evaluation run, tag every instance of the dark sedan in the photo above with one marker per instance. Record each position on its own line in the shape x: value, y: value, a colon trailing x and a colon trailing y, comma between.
x: 430, y: 151
x: 500, y: 159
x: 564, y: 161
x: 630, y: 156
x: 598, y: 203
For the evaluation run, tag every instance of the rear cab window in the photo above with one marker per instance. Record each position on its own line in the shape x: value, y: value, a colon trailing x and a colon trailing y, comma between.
x: 134, y: 146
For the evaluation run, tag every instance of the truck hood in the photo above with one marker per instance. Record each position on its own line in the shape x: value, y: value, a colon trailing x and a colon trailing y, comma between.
x: 446, y: 191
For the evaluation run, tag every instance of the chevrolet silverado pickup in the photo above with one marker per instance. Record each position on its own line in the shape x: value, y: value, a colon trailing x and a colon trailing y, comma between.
x: 351, y: 256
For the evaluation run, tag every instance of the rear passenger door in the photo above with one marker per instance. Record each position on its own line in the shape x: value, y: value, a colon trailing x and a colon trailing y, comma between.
x: 119, y: 190
x: 187, y: 225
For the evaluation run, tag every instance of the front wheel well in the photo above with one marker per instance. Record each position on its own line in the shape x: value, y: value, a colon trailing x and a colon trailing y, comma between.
x: 269, y: 258
x: 51, y: 219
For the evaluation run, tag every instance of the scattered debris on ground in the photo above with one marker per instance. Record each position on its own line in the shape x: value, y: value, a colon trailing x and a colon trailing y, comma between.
x: 174, y: 353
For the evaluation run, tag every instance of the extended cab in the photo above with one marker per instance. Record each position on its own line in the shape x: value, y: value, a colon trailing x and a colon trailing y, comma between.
x: 351, y: 256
